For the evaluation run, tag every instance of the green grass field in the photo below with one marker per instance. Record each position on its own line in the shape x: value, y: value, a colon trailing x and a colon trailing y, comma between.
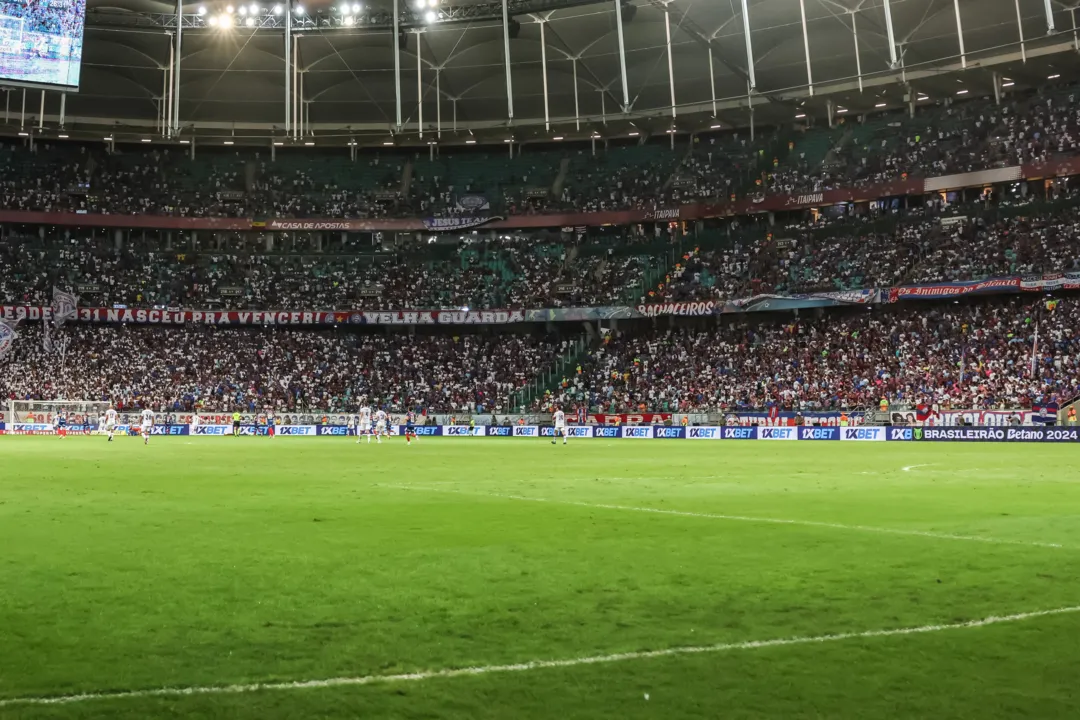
x: 204, y: 563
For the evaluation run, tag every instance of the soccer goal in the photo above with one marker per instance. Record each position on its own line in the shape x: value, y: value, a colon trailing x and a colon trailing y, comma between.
x: 23, y: 415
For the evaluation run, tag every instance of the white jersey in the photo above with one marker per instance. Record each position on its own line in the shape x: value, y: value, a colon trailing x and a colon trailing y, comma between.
x: 147, y: 418
x: 352, y: 421
x: 101, y: 422
x: 560, y: 419
x: 380, y: 420
x: 110, y: 417
x: 194, y: 421
x: 365, y: 416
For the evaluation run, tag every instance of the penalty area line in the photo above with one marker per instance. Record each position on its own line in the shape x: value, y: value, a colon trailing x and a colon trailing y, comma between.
x: 741, y: 518
x: 179, y: 692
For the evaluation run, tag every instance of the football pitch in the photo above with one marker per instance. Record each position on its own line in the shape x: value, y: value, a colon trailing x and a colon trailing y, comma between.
x: 506, y: 578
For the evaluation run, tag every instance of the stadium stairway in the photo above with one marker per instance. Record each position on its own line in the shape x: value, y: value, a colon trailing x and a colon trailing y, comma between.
x: 560, y: 179
x: 550, y: 378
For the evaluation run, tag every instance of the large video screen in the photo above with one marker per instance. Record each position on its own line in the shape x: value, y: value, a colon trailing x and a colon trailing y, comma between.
x: 41, y: 42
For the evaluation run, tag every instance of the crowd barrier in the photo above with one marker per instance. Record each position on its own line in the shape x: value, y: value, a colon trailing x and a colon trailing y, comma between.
x: 864, y: 433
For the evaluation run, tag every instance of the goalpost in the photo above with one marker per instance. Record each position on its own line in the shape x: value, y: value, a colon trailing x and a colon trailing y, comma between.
x: 25, y: 417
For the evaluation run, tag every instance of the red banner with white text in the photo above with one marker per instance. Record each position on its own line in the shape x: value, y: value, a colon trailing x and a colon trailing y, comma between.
x: 645, y: 418
x: 150, y: 316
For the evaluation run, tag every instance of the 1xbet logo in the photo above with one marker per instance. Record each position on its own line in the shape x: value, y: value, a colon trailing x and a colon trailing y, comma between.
x: 704, y: 432
x: 664, y: 432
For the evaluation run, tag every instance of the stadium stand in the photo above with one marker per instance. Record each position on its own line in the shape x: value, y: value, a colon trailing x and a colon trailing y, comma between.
x: 209, y: 369
x: 515, y: 271
x: 940, y: 139
x: 969, y: 356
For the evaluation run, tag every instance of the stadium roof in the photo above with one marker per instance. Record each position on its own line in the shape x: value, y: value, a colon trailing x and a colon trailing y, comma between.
x: 232, y: 80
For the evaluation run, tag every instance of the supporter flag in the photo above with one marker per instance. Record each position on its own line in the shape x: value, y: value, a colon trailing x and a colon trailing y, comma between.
x: 1034, y: 349
x: 65, y: 306
x: 7, y: 335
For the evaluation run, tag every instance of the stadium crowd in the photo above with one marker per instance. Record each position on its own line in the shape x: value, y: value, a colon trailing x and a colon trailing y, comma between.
x: 941, y: 138
x: 189, y: 368
x: 920, y: 249
x: 958, y: 356
x: 511, y: 272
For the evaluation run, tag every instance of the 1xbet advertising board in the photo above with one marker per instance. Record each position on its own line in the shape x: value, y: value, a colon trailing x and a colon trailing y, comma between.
x: 704, y: 433
x: 987, y: 434
x: 872, y: 434
x: 777, y: 433
x: 662, y: 432
x: 574, y: 431
x: 819, y: 433
x: 638, y: 432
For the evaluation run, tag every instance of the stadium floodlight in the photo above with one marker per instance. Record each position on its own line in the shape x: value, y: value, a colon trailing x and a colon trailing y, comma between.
x: 348, y: 20
x: 250, y: 22
x: 243, y: 10
x: 356, y: 8
x: 202, y: 10
x: 420, y: 4
x: 212, y: 21
x: 431, y: 16
x: 299, y: 10
x: 277, y: 9
x: 254, y: 9
x: 225, y: 21
x: 229, y: 9
x: 433, y: 3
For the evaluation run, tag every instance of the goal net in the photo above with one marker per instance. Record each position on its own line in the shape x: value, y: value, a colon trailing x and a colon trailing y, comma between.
x: 33, y: 416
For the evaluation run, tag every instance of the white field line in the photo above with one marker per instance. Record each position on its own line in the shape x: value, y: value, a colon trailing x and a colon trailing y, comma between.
x: 909, y: 468
x: 740, y: 518
x: 169, y: 692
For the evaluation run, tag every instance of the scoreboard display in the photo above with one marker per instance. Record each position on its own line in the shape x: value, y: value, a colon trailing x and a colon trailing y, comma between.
x: 41, y: 42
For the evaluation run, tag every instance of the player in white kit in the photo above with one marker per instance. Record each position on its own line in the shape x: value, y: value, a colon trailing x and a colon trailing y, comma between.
x: 193, y: 426
x: 110, y: 422
x: 380, y: 426
x: 147, y: 423
x: 351, y: 426
x: 560, y: 426
x: 365, y: 423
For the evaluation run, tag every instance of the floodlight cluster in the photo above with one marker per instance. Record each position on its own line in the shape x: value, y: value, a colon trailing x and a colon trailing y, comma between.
x: 243, y: 14
x: 344, y: 14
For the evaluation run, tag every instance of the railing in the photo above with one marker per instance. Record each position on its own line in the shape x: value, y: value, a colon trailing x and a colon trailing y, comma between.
x: 545, y: 380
